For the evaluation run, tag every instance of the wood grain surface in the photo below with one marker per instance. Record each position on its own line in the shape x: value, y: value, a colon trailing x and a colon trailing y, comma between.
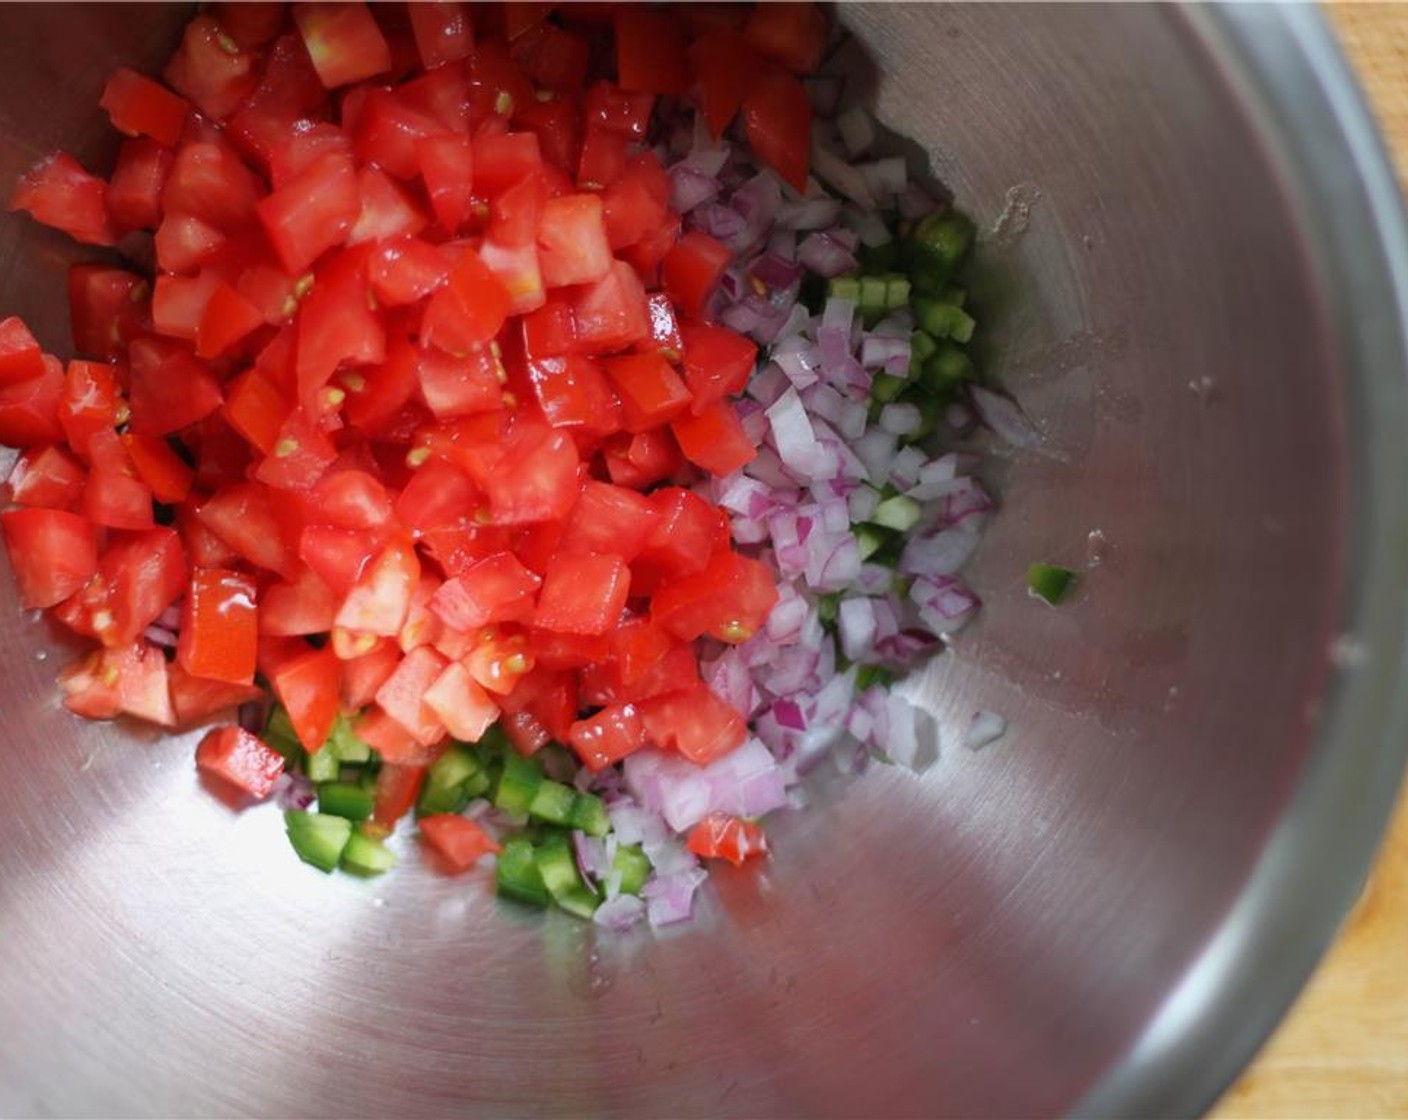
x: 1343, y: 1051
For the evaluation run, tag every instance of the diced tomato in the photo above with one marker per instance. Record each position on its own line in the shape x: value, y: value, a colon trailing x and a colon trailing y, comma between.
x: 255, y: 408
x: 437, y: 495
x: 568, y: 651
x: 131, y: 679
x: 228, y: 317
x: 468, y: 310
x: 616, y: 110
x: 793, y: 34
x: 250, y: 23
x: 363, y: 675
x: 501, y: 161
x: 302, y: 452
x: 306, y: 606
x: 20, y: 356
x: 134, y: 191
x: 517, y: 268
x: 609, y: 518
x: 391, y: 740
x: 388, y: 210
x: 338, y: 556
x: 307, y: 686
x: 719, y: 836
x: 583, y: 594
x: 139, y: 576
x: 406, y: 270
x: 692, y: 270
x: 714, y: 440
x: 549, y: 331
x: 114, y: 498
x: 650, y: 391
x: 219, y: 627
x: 447, y: 170
x: 312, y: 213
x: 558, y: 125
x: 777, y: 115
x: 170, y: 389
x: 179, y: 302
x: 160, y: 468
x: 210, y: 73
x: 243, y: 517
x: 336, y: 327
x: 194, y: 700
x: 443, y: 32
x: 462, y: 385
x: 536, y: 479
x: 717, y: 362
x: 574, y: 393
x: 209, y: 181
x: 554, y: 58
x: 643, y: 459
x: 608, y: 736
x: 59, y: 193
x: 352, y: 499
x: 722, y: 64
x: 611, y: 314
x: 389, y: 130
x: 397, y: 787
x: 497, y: 661
x: 91, y: 402
x: 603, y: 158
x: 46, y: 478
x: 695, y: 722
x: 497, y: 87
x: 343, y: 41
x: 637, y: 647
x: 496, y: 589
x: 381, y: 598
x: 402, y: 696
x: 637, y: 204
x: 729, y: 599
x: 107, y: 308
x: 139, y: 106
x: 29, y: 410
x: 184, y: 243
x: 650, y: 51
x: 53, y: 553
x: 460, y: 841
x: 572, y: 245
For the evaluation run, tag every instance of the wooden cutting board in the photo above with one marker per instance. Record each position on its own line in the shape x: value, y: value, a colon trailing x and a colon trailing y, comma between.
x: 1343, y: 1051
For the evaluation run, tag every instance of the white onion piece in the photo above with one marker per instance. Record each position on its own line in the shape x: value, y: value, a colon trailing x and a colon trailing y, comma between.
x: 901, y: 419
x: 857, y: 130
x: 1005, y: 417
x: 942, y: 554
x: 986, y: 727
x: 619, y: 913
x: 855, y: 622
x: 837, y: 173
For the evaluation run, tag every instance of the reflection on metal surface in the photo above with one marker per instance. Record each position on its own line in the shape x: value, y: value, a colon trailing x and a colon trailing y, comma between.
x: 995, y: 938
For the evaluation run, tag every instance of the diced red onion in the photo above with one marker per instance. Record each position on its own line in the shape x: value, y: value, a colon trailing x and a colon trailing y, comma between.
x: 784, y: 622
x: 944, y: 604
x: 669, y: 857
x: 897, y: 324
x: 707, y: 158
x: 840, y: 175
x: 670, y: 898
x: 810, y: 213
x: 776, y: 271
x: 855, y: 622
x: 877, y: 350
x: 768, y: 385
x: 905, y: 466
x: 632, y: 823
x: 620, y: 913
x: 876, y: 449
x: 1005, y: 417
x: 728, y: 677
x: 719, y: 220
x: 170, y: 618
x: 252, y: 716
x: 825, y: 256
x: 942, y: 554
x: 590, y: 855
x: 788, y: 714
x: 690, y: 188
x: 986, y: 727
x: 824, y: 92
x: 294, y: 791
x: 874, y: 579
x: 758, y: 200
x: 857, y: 130
x: 158, y: 636
x: 869, y: 226
x: 792, y: 436
x: 914, y: 202
x: 901, y: 419
x: 887, y: 176
x: 959, y: 418
x: 862, y: 502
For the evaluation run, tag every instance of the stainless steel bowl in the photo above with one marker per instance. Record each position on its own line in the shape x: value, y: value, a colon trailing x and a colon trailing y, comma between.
x: 1195, y: 279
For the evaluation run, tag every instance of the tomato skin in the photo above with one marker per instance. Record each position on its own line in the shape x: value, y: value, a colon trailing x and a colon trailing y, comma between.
x: 170, y: 388
x: 608, y: 736
x: 397, y: 787
x: 574, y: 393
x: 722, y: 63
x: 343, y: 42
x: 194, y: 700
x: 163, y: 471
x: 719, y: 836
x: 59, y: 193
x: 583, y: 594
x: 611, y: 314
x: 469, y: 309
x: 624, y: 112
x: 219, y: 627
x: 388, y: 132
x: 249, y: 24
x: 227, y: 319
x: 139, y: 106
x: 692, y: 270
x: 777, y: 115
x: 406, y: 270
x: 459, y: 841
x: 53, y: 553
x: 650, y: 51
